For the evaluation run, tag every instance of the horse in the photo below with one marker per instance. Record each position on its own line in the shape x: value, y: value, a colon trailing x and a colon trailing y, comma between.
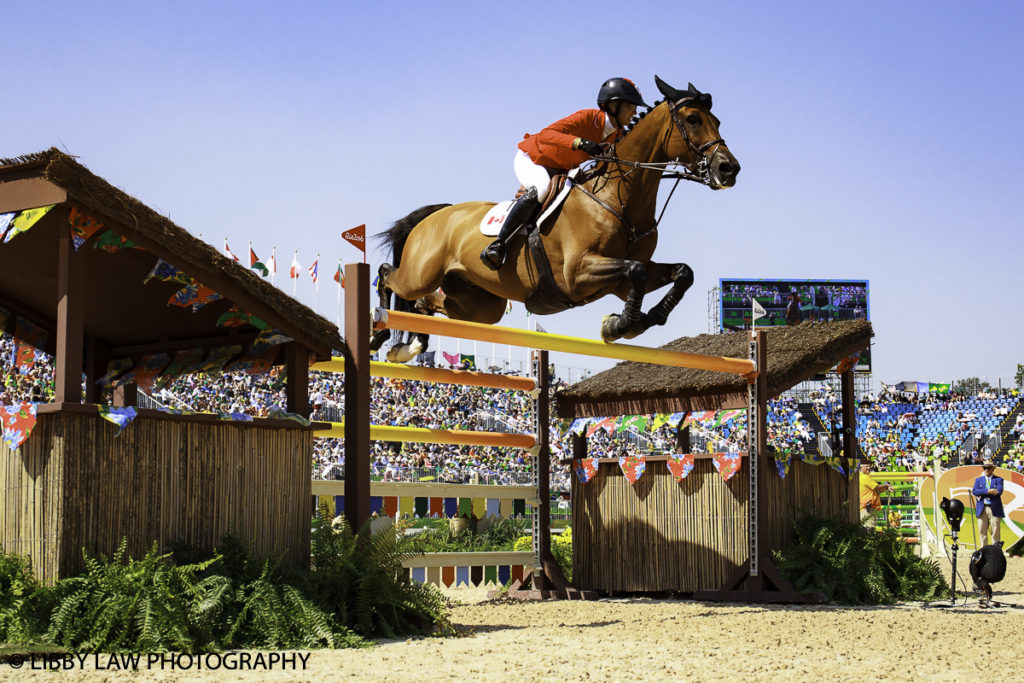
x: 599, y: 242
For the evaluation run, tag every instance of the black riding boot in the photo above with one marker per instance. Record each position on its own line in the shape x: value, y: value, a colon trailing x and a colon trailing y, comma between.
x: 522, y: 211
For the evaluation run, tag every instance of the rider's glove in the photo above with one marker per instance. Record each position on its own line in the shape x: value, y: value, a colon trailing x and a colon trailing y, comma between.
x: 591, y: 148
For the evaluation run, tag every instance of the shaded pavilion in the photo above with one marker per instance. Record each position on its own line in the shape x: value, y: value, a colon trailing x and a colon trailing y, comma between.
x: 103, y: 309
x: 694, y: 535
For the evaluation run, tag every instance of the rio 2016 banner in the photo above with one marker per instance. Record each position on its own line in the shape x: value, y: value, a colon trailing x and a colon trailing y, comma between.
x: 958, y: 483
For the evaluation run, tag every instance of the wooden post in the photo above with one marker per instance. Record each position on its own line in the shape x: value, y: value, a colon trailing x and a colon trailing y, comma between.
x: 95, y: 367
x: 849, y: 429
x: 357, y: 394
x: 683, y: 439
x: 543, y: 511
x: 764, y: 463
x: 70, y: 322
x: 125, y: 395
x: 296, y: 390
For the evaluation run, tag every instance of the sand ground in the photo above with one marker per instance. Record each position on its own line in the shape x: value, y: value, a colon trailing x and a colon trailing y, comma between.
x: 643, y: 639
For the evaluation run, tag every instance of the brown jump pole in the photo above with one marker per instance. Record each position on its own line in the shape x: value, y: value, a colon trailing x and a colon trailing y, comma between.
x: 357, y: 394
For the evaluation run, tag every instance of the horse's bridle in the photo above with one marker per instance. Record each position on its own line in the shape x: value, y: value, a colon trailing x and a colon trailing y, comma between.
x: 702, y: 169
x: 698, y: 173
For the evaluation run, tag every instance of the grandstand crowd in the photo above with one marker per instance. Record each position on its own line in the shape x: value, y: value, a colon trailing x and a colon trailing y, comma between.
x: 895, y: 430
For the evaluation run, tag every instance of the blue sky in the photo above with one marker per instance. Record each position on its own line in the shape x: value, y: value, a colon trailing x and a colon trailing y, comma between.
x: 878, y: 140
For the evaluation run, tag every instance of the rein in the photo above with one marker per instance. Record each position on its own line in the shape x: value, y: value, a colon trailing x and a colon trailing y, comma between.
x: 697, y: 173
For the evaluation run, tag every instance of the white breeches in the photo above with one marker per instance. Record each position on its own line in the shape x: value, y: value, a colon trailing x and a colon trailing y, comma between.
x: 531, y: 175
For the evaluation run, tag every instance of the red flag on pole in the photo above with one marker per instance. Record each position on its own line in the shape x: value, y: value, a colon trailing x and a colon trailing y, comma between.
x: 357, y: 237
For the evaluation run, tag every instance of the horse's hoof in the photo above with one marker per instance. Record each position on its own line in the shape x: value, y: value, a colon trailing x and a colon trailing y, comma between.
x: 610, y: 328
x: 403, y: 353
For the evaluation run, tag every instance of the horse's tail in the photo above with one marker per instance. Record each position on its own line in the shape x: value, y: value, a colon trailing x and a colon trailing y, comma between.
x: 395, y: 236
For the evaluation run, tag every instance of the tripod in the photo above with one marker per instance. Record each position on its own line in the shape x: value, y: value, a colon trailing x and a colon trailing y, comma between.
x: 952, y: 578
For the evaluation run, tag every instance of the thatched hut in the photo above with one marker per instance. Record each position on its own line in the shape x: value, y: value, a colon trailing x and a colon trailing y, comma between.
x: 123, y: 297
x: 694, y: 535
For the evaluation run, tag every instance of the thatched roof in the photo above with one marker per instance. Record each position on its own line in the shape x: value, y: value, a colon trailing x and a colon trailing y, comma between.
x: 120, y: 310
x: 794, y: 354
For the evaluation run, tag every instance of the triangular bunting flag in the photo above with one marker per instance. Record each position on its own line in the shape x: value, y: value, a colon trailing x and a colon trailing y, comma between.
x: 727, y: 464
x: 680, y: 465
x: 585, y: 468
x: 18, y: 421
x: 632, y: 467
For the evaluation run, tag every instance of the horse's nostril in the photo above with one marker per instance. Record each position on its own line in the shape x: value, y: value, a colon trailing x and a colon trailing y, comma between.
x: 727, y: 169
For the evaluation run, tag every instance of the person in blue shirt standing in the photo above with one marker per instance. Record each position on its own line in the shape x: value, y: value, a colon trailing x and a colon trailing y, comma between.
x: 988, y: 489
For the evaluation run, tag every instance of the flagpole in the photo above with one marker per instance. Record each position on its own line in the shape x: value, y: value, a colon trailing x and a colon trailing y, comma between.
x: 295, y: 279
x: 316, y: 284
x: 339, y: 293
x: 273, y: 273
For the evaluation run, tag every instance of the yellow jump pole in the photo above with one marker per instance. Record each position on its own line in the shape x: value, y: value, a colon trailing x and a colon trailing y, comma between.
x: 412, y: 322
x: 422, y: 435
x: 421, y: 374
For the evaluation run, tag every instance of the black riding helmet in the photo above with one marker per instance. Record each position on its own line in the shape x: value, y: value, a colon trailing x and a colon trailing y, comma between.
x: 615, y: 89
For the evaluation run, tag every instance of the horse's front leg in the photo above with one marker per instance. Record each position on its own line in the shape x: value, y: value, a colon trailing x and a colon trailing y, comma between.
x: 602, y: 273
x: 681, y: 277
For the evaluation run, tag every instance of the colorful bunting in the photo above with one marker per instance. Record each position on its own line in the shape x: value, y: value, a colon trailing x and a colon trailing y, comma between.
x: 28, y: 338
x: 268, y: 338
x: 145, y: 372
x: 585, y: 468
x: 219, y: 356
x: 467, y: 359
x: 783, y: 460
x: 835, y: 464
x: 452, y: 358
x: 607, y: 424
x: 847, y: 363
x: 5, y: 222
x: 120, y: 416
x: 83, y: 226
x: 698, y: 416
x: 182, y: 363
x: 280, y: 414
x: 194, y: 295
x: 24, y: 221
x: 112, y: 243
x: 234, y: 417
x: 254, y: 362
x: 165, y: 272
x: 727, y: 464
x: 639, y: 422
x: 680, y: 465
x: 18, y: 422
x: 632, y: 467
x: 236, y: 317
x: 115, y: 369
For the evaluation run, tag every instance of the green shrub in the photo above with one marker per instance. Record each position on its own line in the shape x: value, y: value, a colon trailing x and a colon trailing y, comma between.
x: 852, y: 565
x: 356, y: 589
x: 499, y: 536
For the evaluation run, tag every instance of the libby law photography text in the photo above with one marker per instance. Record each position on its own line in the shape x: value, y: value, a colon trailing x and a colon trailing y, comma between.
x: 212, y: 661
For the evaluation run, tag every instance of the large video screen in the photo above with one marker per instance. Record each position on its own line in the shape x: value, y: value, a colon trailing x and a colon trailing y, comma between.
x: 819, y: 300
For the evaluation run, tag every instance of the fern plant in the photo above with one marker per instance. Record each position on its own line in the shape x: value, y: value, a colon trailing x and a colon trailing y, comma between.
x: 852, y: 566
x: 360, y: 578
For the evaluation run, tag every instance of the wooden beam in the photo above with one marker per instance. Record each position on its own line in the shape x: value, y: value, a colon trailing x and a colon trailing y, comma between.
x: 296, y: 388
x: 70, y: 321
x: 128, y: 351
x: 357, y: 394
x: 29, y: 193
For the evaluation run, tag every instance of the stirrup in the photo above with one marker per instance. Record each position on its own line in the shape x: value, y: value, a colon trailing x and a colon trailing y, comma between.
x: 494, y: 255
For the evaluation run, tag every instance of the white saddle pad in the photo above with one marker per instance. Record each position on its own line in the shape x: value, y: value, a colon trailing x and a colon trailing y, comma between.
x: 492, y: 221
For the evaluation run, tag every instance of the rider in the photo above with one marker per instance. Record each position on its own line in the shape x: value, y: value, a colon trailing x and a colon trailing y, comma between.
x: 561, y: 146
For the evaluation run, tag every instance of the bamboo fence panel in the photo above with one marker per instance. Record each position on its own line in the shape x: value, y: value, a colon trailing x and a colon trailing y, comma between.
x: 663, y: 535
x: 74, y: 484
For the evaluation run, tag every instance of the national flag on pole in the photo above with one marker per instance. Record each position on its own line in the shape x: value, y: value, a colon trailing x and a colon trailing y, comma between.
x: 227, y: 250
x: 296, y: 267
x: 758, y: 310
x: 272, y: 262
x: 356, y: 237
x: 339, y: 276
x: 313, y: 269
x: 256, y: 264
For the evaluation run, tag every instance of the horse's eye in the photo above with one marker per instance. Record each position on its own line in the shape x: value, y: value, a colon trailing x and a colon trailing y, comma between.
x: 693, y: 119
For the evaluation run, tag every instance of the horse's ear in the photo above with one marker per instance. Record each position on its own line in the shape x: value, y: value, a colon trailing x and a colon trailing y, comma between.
x: 670, y: 93
x: 701, y: 98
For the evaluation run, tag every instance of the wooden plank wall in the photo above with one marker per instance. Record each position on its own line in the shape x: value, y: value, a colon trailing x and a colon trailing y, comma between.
x: 663, y: 535
x: 73, y: 484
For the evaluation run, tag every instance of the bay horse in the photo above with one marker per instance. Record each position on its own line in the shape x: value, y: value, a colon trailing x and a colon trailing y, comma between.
x: 599, y: 242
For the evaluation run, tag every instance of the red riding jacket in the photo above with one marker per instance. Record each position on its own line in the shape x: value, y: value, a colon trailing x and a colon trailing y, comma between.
x: 552, y: 147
